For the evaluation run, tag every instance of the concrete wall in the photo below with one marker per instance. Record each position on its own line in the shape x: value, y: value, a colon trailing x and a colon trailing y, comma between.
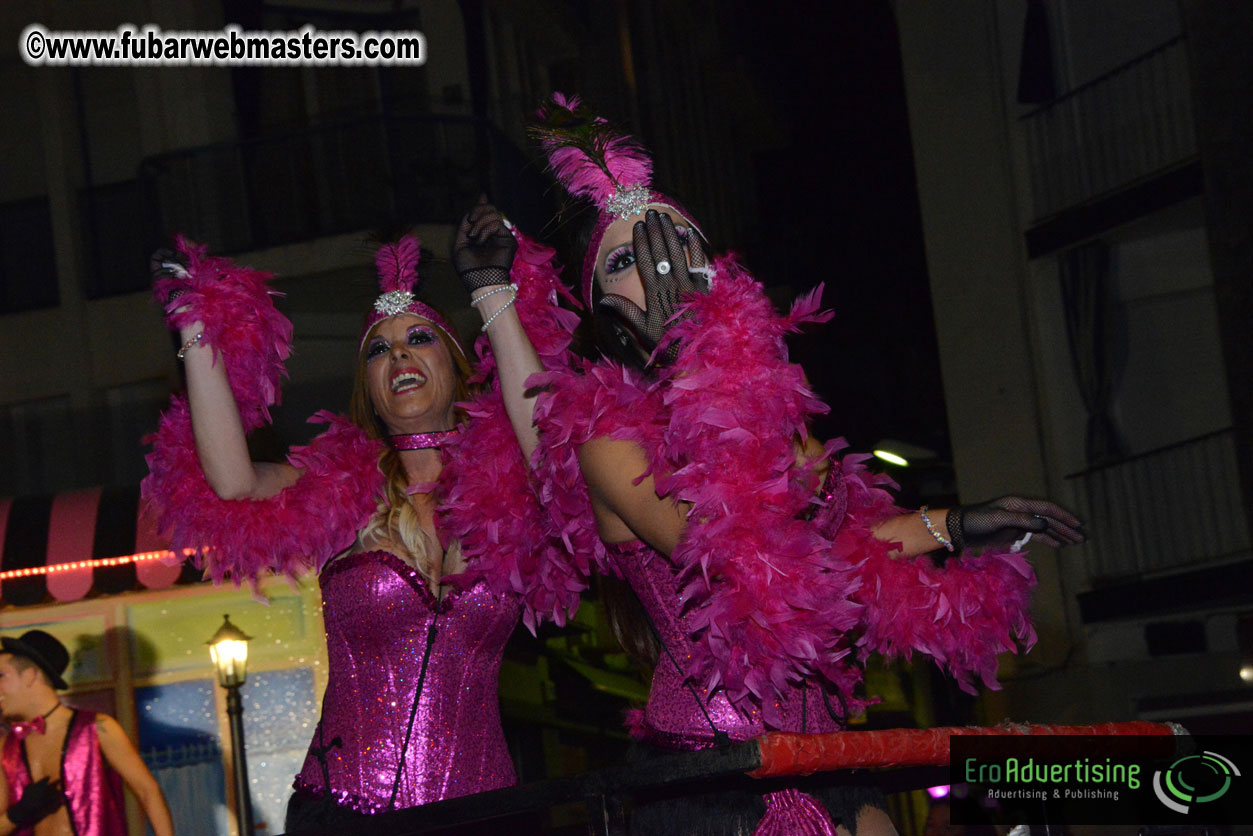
x: 1016, y: 419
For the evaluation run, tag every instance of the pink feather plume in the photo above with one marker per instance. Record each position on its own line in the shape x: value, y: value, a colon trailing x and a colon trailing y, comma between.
x: 397, y: 264
x: 586, y: 155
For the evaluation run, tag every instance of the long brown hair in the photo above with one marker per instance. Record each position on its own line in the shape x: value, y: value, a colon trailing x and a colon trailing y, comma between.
x: 395, y: 515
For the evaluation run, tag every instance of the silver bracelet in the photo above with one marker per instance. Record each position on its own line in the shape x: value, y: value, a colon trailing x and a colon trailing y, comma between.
x: 182, y: 352
x: 512, y: 298
x: 939, y: 538
x: 511, y: 286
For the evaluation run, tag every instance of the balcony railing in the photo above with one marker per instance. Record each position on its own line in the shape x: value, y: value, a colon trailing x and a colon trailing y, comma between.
x: 336, y: 178
x: 369, y: 173
x: 1115, y: 130
x: 1164, y: 510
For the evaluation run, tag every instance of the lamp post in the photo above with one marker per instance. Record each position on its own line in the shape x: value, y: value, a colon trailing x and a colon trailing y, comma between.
x: 229, y: 650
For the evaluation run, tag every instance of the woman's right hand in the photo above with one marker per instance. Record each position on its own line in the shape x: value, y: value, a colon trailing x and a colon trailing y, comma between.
x: 170, y: 278
x: 484, y: 247
x: 669, y: 270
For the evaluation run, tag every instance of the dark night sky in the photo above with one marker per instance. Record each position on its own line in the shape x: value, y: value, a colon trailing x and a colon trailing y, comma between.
x: 839, y: 205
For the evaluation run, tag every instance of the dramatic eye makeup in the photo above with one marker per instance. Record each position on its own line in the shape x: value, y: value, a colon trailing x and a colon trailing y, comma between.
x: 619, y: 259
x: 376, y: 348
x: 420, y: 335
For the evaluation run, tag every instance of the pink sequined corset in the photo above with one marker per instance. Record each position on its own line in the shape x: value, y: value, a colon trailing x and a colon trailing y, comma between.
x: 673, y: 716
x: 378, y: 612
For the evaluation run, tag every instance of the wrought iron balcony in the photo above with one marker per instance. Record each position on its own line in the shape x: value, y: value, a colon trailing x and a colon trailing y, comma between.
x: 1117, y: 130
x: 1178, y: 507
x: 368, y: 173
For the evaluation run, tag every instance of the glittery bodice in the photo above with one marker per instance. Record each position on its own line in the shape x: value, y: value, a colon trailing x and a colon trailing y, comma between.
x: 673, y: 714
x: 378, y: 614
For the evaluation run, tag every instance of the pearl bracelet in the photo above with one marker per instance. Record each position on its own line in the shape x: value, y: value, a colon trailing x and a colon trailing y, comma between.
x: 511, y: 286
x: 187, y: 345
x: 512, y: 298
x: 939, y: 538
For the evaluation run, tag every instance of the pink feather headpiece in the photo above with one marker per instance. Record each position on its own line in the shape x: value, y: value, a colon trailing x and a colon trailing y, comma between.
x: 397, y: 266
x: 597, y: 163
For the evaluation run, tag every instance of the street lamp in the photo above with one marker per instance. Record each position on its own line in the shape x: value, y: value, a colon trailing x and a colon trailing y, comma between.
x: 229, y: 650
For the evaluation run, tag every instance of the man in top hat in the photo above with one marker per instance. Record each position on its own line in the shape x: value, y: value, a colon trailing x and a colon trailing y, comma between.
x: 56, y: 759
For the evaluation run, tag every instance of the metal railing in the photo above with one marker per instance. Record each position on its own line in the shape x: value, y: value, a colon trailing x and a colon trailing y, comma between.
x: 1166, y: 509
x: 903, y: 759
x: 1121, y: 127
x: 356, y: 174
x: 374, y: 172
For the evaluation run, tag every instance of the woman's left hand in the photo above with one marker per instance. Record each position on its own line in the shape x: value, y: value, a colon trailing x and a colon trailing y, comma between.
x: 1003, y: 521
x: 483, y: 249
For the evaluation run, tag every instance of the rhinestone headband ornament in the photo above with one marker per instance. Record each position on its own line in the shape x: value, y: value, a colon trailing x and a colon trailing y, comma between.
x: 627, y: 202
x: 393, y: 302
x: 397, y: 266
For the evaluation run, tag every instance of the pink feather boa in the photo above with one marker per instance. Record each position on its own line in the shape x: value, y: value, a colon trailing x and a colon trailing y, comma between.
x: 301, y: 527
x: 489, y: 498
x: 773, y: 599
x: 297, y: 530
x: 236, y: 306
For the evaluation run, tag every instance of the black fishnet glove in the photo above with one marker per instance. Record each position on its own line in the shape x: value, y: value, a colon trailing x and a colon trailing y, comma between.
x: 1003, y: 521
x: 482, y: 252
x: 656, y: 241
x: 168, y: 269
x: 40, y: 800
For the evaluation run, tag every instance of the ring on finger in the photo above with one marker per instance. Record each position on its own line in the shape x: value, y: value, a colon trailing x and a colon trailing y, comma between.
x: 663, y: 267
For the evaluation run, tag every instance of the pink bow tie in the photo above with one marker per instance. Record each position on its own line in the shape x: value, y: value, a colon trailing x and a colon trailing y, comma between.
x: 20, y: 731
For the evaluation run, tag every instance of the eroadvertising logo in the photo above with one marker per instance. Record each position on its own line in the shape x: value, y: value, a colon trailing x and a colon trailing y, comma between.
x: 1091, y: 779
x: 1194, y: 779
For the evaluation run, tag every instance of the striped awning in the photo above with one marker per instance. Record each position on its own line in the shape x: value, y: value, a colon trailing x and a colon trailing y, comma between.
x: 68, y: 546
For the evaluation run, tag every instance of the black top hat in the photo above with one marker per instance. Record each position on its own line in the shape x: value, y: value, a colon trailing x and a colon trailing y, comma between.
x: 44, y: 650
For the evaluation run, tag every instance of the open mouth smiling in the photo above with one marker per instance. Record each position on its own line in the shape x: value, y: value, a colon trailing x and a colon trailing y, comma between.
x: 407, y: 380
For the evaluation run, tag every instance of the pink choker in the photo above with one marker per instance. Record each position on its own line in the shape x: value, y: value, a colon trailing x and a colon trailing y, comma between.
x: 420, y: 441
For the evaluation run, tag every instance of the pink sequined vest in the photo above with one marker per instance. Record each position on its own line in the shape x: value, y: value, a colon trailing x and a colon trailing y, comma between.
x: 95, y: 805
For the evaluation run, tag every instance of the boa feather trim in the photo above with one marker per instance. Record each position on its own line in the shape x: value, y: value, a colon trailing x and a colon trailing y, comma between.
x: 303, y: 526
x: 961, y: 614
x: 295, y: 531
x: 236, y: 306
x: 489, y: 500
x: 760, y: 586
x: 770, y: 597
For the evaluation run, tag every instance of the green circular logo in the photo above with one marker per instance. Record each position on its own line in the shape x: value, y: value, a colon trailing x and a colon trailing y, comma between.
x: 1194, y: 779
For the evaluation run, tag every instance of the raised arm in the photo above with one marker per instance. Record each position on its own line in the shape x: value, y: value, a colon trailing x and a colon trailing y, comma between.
x: 219, y: 432
x: 220, y: 439
x: 483, y: 253
x: 121, y: 755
